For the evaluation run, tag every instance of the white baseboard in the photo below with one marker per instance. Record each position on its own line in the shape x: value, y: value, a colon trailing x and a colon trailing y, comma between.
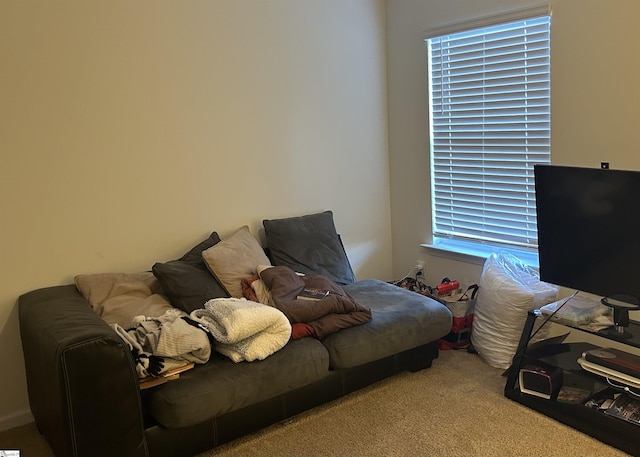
x: 16, y: 419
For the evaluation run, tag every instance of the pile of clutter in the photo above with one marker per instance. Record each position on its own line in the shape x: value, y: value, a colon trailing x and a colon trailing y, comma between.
x: 461, y: 303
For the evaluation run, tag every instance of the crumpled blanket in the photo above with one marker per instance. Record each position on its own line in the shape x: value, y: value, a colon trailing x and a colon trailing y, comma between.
x: 336, y: 311
x: 243, y: 329
x: 253, y: 289
x: 160, y: 344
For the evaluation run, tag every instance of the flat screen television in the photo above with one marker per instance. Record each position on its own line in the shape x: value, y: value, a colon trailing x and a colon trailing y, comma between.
x: 589, y: 231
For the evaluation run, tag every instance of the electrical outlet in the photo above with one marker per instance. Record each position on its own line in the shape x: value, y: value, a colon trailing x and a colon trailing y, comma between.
x: 419, y: 267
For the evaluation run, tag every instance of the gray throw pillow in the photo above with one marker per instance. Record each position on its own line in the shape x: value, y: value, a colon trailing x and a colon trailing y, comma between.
x: 187, y: 286
x: 187, y: 282
x: 309, y: 244
x: 194, y: 255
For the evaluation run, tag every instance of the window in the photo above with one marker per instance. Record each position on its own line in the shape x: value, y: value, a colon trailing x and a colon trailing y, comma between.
x: 489, y: 106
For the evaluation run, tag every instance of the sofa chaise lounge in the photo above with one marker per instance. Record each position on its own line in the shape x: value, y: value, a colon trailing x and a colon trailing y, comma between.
x: 84, y: 387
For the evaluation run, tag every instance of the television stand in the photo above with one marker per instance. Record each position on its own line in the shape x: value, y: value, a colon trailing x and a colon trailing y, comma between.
x: 591, y: 421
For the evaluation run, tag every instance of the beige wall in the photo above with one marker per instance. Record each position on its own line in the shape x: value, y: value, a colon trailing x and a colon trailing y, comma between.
x: 130, y: 130
x: 595, y: 103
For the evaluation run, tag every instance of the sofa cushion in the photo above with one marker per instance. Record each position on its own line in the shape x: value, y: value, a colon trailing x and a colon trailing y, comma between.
x: 221, y: 386
x: 194, y: 255
x: 234, y: 258
x: 188, y: 286
x: 187, y: 282
x: 119, y: 297
x: 309, y: 244
x: 401, y: 320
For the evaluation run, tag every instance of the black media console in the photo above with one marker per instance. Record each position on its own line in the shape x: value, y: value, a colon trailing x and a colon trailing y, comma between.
x: 563, y: 358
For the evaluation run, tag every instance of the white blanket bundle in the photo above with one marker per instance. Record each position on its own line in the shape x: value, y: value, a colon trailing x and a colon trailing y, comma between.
x: 243, y: 329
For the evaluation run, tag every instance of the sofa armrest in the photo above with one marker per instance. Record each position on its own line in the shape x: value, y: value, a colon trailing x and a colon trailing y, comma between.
x: 83, y: 388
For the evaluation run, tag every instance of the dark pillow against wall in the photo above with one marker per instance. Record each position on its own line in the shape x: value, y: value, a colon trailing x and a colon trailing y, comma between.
x: 309, y: 244
x: 194, y: 255
x: 187, y: 282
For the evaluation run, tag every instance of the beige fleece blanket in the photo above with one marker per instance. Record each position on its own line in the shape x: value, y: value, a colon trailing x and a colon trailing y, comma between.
x: 243, y: 329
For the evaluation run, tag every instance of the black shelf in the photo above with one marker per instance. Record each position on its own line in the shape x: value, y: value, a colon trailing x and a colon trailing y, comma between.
x: 633, y: 330
x: 591, y: 421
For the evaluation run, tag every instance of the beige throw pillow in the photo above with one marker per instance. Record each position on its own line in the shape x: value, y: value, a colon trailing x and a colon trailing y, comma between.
x: 234, y: 258
x: 119, y: 297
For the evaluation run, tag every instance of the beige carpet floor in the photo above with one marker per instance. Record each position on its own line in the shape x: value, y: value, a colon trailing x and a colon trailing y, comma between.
x: 455, y: 408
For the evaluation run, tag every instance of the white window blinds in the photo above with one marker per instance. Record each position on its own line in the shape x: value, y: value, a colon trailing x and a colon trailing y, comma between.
x: 489, y: 95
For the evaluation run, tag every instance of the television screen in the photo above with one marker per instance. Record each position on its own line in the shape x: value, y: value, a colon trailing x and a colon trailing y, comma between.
x: 589, y: 229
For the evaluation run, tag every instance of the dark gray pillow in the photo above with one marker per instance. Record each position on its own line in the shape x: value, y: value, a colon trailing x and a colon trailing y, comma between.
x: 194, y: 255
x: 187, y: 282
x: 309, y: 244
x: 187, y: 286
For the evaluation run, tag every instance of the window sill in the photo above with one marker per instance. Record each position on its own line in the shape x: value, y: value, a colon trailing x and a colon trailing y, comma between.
x: 477, y: 253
